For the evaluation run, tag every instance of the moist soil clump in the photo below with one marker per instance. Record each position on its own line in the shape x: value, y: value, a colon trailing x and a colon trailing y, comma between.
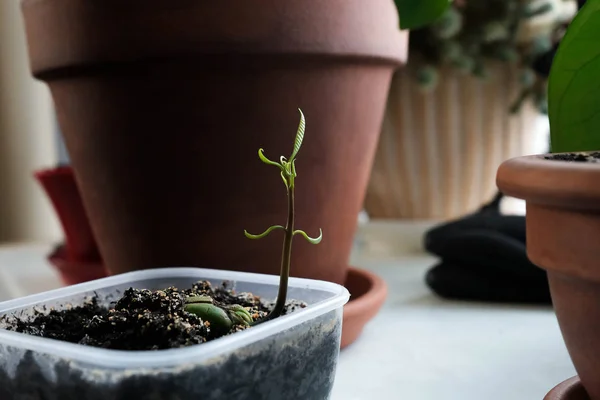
x: 593, y: 157
x: 140, y: 320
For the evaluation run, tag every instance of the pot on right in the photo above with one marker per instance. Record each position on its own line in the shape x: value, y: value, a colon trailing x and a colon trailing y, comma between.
x: 562, y: 192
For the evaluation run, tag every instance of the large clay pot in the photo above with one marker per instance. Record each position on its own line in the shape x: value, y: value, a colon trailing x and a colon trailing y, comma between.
x: 164, y: 104
x: 563, y: 237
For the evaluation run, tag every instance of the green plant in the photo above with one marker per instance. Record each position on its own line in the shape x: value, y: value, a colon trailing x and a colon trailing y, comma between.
x: 574, y: 85
x: 288, y: 174
x: 471, y: 33
x: 416, y: 13
x: 222, y: 317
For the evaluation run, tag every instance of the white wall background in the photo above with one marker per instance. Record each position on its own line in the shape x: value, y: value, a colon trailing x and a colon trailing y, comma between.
x: 26, y: 138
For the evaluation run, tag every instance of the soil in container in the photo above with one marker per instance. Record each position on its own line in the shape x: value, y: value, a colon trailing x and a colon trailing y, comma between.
x: 575, y: 157
x: 142, y: 319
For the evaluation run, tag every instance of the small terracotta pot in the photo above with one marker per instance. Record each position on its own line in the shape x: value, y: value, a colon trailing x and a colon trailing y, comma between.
x: 571, y: 389
x: 563, y: 237
x: 164, y: 104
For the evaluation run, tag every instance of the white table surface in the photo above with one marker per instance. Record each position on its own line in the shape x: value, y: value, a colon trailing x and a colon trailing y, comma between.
x: 419, y: 347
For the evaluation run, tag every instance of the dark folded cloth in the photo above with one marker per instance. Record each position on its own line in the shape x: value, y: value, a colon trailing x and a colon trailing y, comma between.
x: 484, y: 258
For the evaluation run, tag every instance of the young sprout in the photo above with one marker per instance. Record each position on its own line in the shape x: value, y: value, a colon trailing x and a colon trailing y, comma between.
x: 288, y: 174
x: 222, y: 317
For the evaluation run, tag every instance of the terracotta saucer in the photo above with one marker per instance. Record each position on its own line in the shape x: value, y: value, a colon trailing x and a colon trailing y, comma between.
x: 571, y: 389
x: 74, y: 272
x: 367, y: 295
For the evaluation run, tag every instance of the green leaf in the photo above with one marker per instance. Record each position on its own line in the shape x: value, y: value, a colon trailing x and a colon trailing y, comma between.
x: 310, y: 240
x: 299, y: 136
x: 264, y: 159
x: 418, y: 13
x: 265, y: 233
x: 574, y: 85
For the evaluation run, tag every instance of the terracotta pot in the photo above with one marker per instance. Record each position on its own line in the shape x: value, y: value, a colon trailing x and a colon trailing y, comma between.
x: 563, y: 233
x: 571, y: 389
x: 164, y: 105
x: 417, y: 173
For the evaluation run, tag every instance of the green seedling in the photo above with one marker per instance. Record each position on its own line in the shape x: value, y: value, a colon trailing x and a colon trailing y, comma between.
x: 222, y: 317
x: 413, y: 14
x: 574, y: 85
x: 287, y: 169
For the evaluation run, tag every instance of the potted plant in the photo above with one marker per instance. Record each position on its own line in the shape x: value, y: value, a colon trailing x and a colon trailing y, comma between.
x: 176, y: 333
x: 563, y: 200
x: 471, y: 87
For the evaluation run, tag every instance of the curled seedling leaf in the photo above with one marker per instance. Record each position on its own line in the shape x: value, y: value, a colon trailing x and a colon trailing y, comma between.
x: 264, y: 159
x: 265, y: 233
x: 316, y: 240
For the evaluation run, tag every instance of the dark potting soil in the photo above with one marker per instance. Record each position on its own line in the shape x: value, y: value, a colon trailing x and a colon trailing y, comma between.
x: 140, y: 320
x: 575, y: 157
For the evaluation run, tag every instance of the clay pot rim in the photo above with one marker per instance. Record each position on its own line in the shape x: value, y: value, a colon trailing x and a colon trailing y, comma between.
x: 68, y: 34
x: 551, y: 182
x: 377, y: 286
x: 571, y: 389
x: 361, y: 309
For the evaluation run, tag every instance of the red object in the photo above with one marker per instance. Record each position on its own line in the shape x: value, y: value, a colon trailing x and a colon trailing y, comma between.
x: 73, y: 272
x: 60, y: 186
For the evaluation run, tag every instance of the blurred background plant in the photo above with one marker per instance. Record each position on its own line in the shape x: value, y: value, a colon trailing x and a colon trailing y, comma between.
x: 472, y: 33
x: 472, y: 95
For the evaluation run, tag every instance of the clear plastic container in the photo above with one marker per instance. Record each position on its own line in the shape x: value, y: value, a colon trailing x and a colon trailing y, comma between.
x: 291, y: 357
